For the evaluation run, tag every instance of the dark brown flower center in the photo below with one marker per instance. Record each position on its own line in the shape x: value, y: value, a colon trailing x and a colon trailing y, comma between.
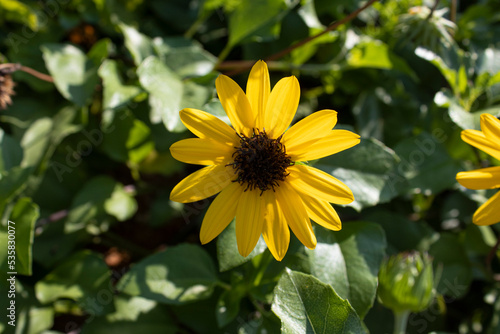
x: 260, y: 161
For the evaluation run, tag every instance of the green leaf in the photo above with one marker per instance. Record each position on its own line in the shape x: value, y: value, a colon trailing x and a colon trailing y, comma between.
x: 17, y: 11
x: 178, y: 275
x: 98, y: 197
x: 24, y: 215
x: 121, y: 204
x: 84, y: 278
x: 42, y: 137
x: 306, y: 305
x: 469, y: 120
x: 54, y: 245
x: 127, y: 139
x: 227, y: 249
x: 31, y: 316
x: 133, y: 315
x: 11, y: 152
x: 36, y: 141
x: 205, y: 320
x: 376, y: 54
x: 450, y: 259
x: 115, y: 93
x: 479, y: 240
x: 228, y: 305
x: 12, y: 183
x: 403, y: 234
x: 139, y: 45
x: 100, y: 51
x: 165, y: 92
x: 186, y: 57
x: 349, y: 261
x: 426, y: 164
x: 368, y: 115
x: 371, y: 183
x: 488, y: 61
x: 248, y: 17
x: 449, y: 74
x: 75, y: 76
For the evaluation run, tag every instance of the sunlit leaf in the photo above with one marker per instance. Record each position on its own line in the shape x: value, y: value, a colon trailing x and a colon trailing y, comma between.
x: 82, y: 278
x: 371, y: 183
x: 138, y: 44
x: 349, y: 261
x: 178, y: 275
x: 306, y: 305
x: 165, y: 92
x: 116, y: 94
x: 227, y: 249
x: 75, y: 76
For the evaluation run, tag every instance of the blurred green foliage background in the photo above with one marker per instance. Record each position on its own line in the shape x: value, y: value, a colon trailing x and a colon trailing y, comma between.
x: 85, y: 171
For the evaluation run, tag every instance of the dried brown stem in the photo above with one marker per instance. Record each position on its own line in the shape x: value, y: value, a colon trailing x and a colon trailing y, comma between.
x: 433, y: 9
x: 453, y: 11
x: 13, y: 67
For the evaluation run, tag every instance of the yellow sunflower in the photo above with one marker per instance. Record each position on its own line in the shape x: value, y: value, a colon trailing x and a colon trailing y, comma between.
x: 487, y: 140
x: 256, y: 164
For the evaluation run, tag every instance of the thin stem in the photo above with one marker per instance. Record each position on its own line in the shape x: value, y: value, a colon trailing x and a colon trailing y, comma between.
x: 223, y: 54
x: 400, y: 321
x: 14, y: 121
x: 223, y: 285
x: 13, y: 67
x: 432, y: 10
x: 453, y: 11
x: 37, y: 74
x: 331, y: 27
x: 196, y: 25
x: 247, y: 64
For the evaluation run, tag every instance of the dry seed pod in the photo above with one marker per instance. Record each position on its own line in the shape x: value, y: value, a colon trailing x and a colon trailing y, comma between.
x: 6, y: 90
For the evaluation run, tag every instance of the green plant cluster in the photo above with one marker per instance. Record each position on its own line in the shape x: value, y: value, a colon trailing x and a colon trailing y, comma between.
x: 85, y: 168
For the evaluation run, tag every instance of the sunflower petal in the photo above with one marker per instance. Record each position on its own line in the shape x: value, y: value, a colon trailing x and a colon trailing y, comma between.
x: 316, y: 183
x: 235, y: 103
x: 322, y: 213
x: 249, y: 221
x: 221, y: 212
x: 201, y: 151
x: 317, y: 125
x: 296, y: 214
x: 281, y: 106
x: 490, y: 125
x: 201, y: 184
x: 258, y: 90
x: 336, y: 141
x: 275, y: 230
x: 485, y: 178
x: 205, y: 125
x: 479, y: 140
x: 489, y: 212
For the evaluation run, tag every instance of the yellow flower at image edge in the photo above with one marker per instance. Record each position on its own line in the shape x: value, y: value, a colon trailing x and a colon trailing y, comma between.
x: 487, y: 140
x: 256, y: 164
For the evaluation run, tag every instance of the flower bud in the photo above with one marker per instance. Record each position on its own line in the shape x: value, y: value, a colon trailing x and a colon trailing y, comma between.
x: 406, y: 282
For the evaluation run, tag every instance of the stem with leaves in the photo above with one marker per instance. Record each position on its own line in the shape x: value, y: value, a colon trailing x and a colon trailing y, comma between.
x: 245, y: 65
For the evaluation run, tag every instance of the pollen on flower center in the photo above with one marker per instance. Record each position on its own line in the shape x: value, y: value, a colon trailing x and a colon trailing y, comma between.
x: 260, y: 161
